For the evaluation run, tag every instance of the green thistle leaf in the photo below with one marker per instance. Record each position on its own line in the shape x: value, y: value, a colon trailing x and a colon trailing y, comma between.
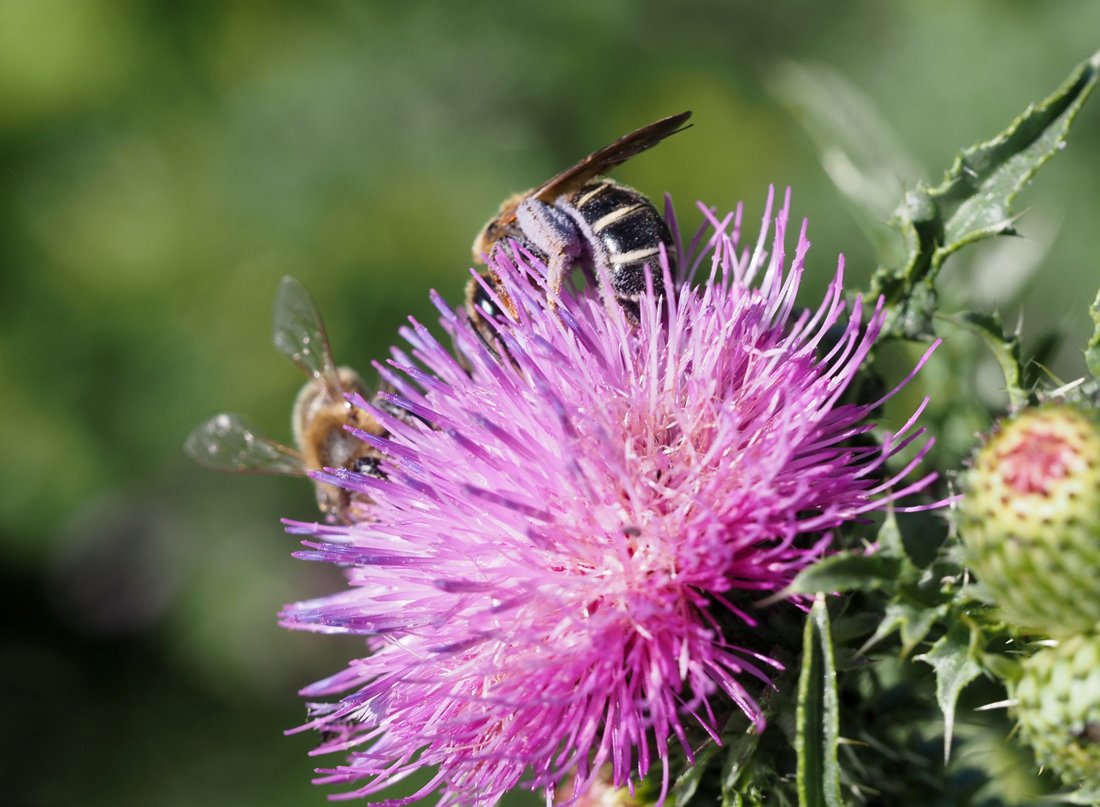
x: 886, y: 569
x: 818, y: 715
x: 1092, y: 352
x: 974, y: 201
x: 846, y: 572
x: 1006, y: 349
x: 685, y: 787
x: 1089, y: 796
x: 911, y: 620
x: 953, y: 658
x: 739, y: 755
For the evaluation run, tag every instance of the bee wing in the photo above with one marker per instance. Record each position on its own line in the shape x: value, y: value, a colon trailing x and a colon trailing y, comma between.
x: 231, y: 443
x: 617, y: 153
x: 299, y: 332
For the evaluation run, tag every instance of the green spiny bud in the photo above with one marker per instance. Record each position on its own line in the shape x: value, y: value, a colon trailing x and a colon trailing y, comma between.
x: 1058, y: 708
x: 1031, y: 518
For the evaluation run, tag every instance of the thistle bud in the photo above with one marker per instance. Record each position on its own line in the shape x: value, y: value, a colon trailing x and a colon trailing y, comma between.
x: 1058, y: 707
x: 1031, y: 518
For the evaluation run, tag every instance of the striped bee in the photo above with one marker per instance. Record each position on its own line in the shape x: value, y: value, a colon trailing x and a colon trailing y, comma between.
x: 580, y: 219
x: 320, y: 418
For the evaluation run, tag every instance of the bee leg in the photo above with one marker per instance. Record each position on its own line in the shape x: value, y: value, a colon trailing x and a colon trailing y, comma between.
x: 599, y: 268
x: 481, y: 308
x: 554, y: 233
x: 577, y: 243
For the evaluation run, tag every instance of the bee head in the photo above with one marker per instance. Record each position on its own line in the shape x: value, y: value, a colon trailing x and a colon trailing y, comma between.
x: 502, y: 225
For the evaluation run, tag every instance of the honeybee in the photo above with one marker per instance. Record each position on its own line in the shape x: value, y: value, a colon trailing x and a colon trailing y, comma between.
x: 229, y: 442
x: 580, y: 219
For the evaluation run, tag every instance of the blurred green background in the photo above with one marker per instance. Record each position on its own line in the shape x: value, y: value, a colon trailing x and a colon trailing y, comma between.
x: 163, y: 164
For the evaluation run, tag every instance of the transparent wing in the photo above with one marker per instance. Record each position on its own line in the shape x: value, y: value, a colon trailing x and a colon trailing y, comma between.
x: 617, y: 153
x: 299, y: 332
x: 231, y: 443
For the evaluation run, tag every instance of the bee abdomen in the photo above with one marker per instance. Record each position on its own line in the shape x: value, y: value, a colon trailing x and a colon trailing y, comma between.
x: 631, y: 231
x: 595, y: 200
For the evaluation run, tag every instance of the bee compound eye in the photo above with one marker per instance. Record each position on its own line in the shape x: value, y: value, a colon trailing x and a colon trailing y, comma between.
x: 485, y: 305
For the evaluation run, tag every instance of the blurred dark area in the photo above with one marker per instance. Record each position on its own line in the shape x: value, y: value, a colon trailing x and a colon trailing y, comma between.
x: 163, y: 164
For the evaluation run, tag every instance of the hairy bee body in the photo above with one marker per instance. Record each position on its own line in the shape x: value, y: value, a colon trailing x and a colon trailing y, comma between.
x: 582, y: 220
x: 321, y: 417
x: 320, y: 422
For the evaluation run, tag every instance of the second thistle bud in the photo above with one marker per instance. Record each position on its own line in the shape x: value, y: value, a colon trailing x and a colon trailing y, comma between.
x: 1031, y: 518
x: 1058, y: 708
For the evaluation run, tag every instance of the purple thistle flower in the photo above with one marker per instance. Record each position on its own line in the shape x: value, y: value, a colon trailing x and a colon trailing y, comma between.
x: 548, y: 564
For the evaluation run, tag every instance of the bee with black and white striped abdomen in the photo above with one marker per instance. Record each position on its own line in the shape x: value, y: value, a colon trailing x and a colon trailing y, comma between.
x: 580, y: 219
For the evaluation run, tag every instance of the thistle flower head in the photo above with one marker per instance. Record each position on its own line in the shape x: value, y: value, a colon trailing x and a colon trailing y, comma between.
x: 572, y: 520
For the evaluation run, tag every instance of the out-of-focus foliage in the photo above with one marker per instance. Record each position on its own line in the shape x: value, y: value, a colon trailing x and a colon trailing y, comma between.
x: 163, y: 164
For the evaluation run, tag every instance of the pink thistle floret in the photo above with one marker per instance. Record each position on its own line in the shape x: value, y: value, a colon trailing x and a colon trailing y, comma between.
x: 572, y: 515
